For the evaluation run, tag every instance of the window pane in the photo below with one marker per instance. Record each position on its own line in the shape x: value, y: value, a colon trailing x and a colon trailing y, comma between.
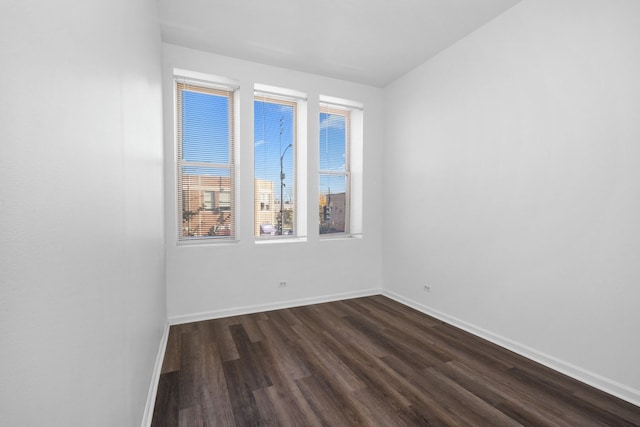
x: 333, y: 142
x: 223, y: 200
x: 274, y: 154
x: 206, y: 202
x: 333, y: 203
x: 209, y: 200
x: 205, y: 127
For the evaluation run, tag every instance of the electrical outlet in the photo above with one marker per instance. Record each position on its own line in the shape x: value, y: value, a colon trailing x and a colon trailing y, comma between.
x: 283, y: 285
x: 427, y: 288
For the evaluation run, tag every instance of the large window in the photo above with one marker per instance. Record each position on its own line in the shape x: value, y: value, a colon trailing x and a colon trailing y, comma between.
x: 205, y: 161
x: 335, y: 184
x: 275, y: 152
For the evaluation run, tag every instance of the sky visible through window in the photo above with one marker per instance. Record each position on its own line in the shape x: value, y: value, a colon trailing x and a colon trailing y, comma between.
x: 332, y: 152
x: 205, y: 128
x: 205, y: 138
x: 273, y: 133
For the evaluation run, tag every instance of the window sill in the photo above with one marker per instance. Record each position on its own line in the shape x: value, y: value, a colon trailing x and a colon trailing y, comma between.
x: 280, y: 240
x: 332, y: 237
x: 206, y: 242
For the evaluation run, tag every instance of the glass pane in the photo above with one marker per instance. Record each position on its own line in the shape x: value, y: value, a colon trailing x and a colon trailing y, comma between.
x: 274, y: 146
x: 206, y: 202
x: 205, y: 127
x: 209, y: 200
x: 333, y: 204
x: 333, y: 142
x: 223, y: 201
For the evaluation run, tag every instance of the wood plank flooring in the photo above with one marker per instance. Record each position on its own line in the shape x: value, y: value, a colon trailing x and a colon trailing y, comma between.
x: 363, y: 362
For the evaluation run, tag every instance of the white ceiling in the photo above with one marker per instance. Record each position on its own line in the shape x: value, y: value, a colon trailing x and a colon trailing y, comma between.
x: 365, y: 41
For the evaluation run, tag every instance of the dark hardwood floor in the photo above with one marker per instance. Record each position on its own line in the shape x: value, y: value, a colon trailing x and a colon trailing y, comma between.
x: 363, y: 362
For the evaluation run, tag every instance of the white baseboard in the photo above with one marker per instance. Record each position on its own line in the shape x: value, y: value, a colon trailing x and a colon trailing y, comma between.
x: 607, y: 385
x: 236, y: 311
x: 155, y: 378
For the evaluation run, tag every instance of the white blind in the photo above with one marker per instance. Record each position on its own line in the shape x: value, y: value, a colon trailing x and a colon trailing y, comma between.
x: 205, y: 161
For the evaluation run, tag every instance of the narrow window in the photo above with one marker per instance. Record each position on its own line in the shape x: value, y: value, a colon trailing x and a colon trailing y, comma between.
x: 335, y: 184
x: 205, y: 161
x: 275, y: 174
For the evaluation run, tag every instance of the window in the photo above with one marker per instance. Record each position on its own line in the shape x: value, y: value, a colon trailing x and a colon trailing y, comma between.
x: 209, y: 200
x: 334, y: 169
x: 265, y: 201
x: 276, y: 149
x: 224, y: 201
x: 217, y: 200
x: 205, y: 161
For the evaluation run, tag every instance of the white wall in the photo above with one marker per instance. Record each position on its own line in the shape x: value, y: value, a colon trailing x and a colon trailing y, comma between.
x: 82, y: 302
x: 219, y: 279
x: 514, y: 156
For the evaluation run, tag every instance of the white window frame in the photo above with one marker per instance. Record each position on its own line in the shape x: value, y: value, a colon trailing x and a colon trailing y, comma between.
x: 269, y: 92
x: 213, y: 83
x: 353, y: 163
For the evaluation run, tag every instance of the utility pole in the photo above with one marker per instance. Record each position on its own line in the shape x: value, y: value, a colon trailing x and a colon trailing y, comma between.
x: 281, y: 219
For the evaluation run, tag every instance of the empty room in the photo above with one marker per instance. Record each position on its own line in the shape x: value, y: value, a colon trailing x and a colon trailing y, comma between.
x: 320, y: 213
